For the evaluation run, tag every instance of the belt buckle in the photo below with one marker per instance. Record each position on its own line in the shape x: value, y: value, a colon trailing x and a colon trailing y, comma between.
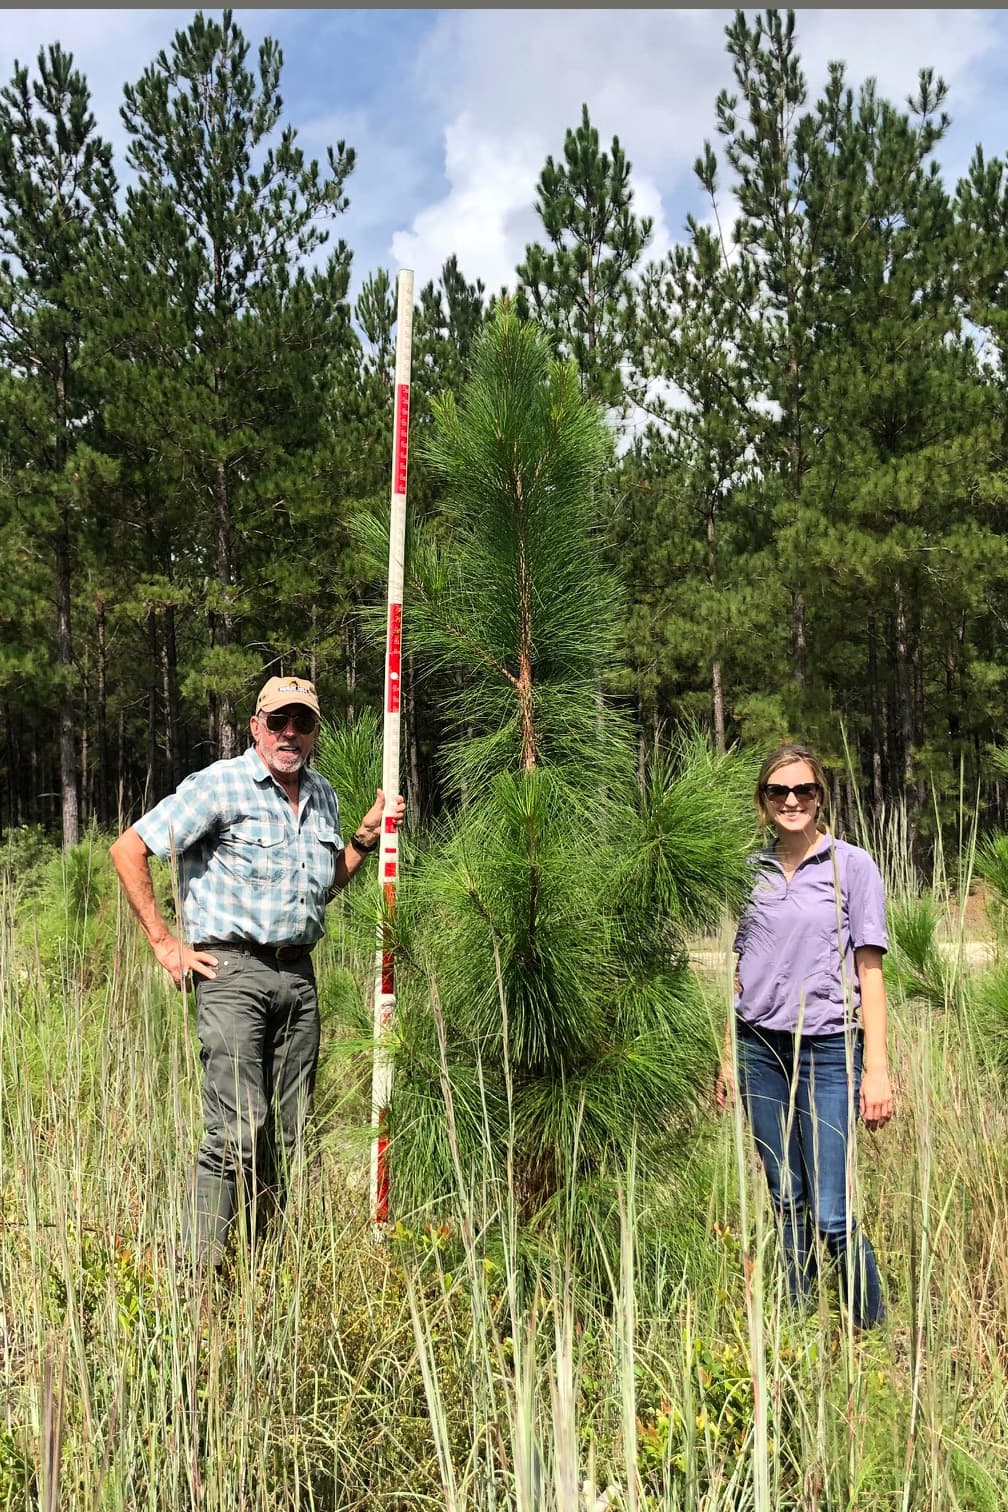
x: 288, y: 952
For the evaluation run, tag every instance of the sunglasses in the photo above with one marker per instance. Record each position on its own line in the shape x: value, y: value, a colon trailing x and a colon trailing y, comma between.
x: 777, y: 792
x: 303, y: 720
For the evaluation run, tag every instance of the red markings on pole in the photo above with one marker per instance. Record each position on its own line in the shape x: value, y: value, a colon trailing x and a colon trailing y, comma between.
x: 395, y: 634
x: 382, y: 1194
x: 388, y: 972
x: 402, y: 437
x: 394, y: 657
x: 390, y: 870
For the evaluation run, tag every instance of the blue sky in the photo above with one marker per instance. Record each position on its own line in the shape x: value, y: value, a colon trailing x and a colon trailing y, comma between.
x: 453, y: 112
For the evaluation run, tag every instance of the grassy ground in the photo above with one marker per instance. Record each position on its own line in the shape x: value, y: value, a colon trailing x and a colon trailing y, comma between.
x: 432, y: 1370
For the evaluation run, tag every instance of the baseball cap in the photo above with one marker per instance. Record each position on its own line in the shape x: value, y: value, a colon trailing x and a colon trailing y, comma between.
x: 281, y: 691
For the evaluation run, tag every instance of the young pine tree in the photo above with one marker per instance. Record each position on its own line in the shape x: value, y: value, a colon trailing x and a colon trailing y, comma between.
x: 547, y: 1018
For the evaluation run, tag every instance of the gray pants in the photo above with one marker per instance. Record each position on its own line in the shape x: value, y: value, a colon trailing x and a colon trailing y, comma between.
x: 258, y: 1026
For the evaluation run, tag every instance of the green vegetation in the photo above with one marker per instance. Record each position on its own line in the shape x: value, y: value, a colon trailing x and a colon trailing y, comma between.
x: 801, y: 501
x: 451, y: 1366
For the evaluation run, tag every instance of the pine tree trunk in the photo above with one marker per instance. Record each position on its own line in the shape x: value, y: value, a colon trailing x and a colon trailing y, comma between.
x: 213, y: 724
x: 904, y: 691
x: 876, y: 719
x: 64, y: 637
x: 84, y: 785
x: 169, y: 663
x: 121, y: 794
x: 171, y: 781
x: 227, y: 732
x: 798, y: 638
x: 717, y: 693
x: 13, y: 766
x: 212, y: 701
x: 101, y: 717
x: 152, y: 711
x: 33, y: 808
x: 919, y: 711
x: 891, y: 725
x: 64, y: 657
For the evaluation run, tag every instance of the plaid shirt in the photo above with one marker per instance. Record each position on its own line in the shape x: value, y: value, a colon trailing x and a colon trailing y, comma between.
x: 249, y: 867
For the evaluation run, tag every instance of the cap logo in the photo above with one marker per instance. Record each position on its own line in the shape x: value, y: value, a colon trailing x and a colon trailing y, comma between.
x: 279, y: 690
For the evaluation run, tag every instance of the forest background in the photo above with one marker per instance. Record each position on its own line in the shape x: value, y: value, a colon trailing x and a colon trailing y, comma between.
x: 806, y: 402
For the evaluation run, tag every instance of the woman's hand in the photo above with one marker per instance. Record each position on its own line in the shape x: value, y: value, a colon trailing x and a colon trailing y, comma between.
x: 724, y: 1084
x: 876, y: 1098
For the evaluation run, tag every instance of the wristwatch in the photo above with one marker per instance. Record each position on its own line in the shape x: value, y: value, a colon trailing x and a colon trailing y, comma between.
x: 362, y: 845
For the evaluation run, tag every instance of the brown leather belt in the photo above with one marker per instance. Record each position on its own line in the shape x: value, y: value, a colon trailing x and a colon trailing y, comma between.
x: 250, y: 947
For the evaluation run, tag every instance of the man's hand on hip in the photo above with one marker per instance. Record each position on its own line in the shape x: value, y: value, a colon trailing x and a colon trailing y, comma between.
x: 182, y: 963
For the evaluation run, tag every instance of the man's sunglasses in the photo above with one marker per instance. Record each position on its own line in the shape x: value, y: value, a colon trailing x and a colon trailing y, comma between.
x: 304, y: 721
x: 777, y: 792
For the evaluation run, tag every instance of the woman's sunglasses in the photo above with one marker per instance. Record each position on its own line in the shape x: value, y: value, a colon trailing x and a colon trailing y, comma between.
x: 777, y: 792
x: 303, y: 721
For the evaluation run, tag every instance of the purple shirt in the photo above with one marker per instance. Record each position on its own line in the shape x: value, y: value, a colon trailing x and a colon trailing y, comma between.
x: 795, y: 964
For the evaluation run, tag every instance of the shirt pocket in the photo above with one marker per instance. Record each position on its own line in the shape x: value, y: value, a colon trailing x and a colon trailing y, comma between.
x: 255, y: 852
x: 328, y: 845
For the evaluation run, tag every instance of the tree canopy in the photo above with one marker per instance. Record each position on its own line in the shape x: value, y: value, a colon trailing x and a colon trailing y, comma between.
x: 803, y: 408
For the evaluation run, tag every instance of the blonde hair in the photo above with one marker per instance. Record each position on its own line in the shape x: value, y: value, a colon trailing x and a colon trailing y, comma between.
x: 784, y: 755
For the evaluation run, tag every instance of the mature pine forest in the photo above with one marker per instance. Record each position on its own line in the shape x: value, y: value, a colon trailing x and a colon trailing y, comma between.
x: 805, y: 399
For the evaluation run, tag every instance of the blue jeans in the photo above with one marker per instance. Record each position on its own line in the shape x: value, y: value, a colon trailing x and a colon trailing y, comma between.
x: 801, y: 1100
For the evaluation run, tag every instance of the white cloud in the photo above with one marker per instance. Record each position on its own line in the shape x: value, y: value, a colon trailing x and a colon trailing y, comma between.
x: 486, y: 213
x: 386, y: 171
x: 645, y: 75
x: 648, y: 202
x: 892, y: 46
x: 508, y: 85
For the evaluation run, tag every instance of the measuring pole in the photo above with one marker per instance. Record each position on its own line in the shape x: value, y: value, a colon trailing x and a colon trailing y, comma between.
x: 388, y: 853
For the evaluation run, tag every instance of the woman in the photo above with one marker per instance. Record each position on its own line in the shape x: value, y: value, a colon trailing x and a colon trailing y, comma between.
x: 810, y: 1011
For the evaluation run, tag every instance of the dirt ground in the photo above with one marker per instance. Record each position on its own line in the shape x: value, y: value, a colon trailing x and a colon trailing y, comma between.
x: 976, y: 918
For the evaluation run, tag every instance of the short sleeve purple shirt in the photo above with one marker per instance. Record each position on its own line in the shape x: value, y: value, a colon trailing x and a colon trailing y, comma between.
x: 796, y: 946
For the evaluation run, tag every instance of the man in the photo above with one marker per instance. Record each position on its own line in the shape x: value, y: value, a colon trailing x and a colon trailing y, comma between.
x: 259, y: 852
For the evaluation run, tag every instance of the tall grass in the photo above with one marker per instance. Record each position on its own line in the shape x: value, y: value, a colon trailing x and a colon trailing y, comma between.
x: 441, y: 1369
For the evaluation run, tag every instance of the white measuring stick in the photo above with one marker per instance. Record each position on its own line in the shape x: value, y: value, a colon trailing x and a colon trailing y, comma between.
x: 388, y: 853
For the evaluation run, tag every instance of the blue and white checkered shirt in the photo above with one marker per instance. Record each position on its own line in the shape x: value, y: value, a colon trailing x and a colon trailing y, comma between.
x: 250, y: 869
